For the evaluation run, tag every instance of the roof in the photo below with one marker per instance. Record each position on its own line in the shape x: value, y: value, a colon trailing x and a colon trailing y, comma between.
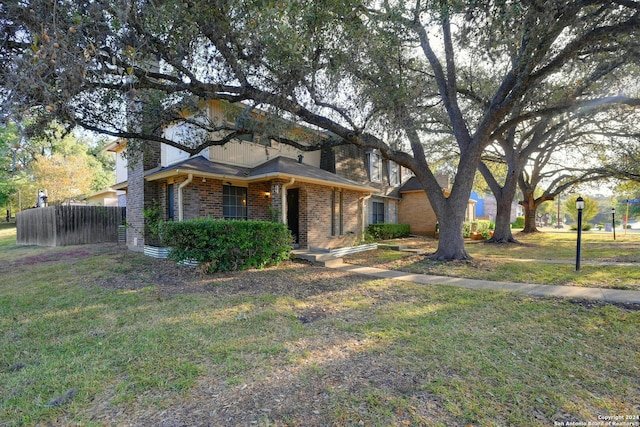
x: 278, y: 167
x: 105, y: 193
x: 411, y: 185
x: 116, y: 145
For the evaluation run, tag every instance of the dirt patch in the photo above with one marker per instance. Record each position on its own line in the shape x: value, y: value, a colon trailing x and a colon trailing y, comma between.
x: 300, y: 393
x: 55, y: 256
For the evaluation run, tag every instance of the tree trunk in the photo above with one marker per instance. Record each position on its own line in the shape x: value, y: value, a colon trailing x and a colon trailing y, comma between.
x: 451, y: 242
x: 504, y: 197
x: 502, y: 232
x: 530, y: 218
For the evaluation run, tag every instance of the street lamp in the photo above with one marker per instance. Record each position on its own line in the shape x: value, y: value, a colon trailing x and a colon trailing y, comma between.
x: 613, y: 222
x: 579, y: 207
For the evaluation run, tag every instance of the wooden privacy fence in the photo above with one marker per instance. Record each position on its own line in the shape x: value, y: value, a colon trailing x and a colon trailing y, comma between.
x: 69, y: 225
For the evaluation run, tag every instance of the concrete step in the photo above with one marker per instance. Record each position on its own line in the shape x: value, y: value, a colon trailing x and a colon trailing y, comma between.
x: 318, y: 258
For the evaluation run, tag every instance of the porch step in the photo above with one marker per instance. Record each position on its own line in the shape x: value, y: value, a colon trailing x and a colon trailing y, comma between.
x: 319, y: 258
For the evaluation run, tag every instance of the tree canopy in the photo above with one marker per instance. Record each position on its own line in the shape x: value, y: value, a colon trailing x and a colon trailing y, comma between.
x: 590, y: 208
x: 408, y: 79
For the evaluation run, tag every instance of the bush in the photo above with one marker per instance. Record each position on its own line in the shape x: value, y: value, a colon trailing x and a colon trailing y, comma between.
x: 585, y: 227
x: 223, y: 245
x: 153, y: 224
x: 482, y: 226
x: 518, y: 223
x: 466, y: 230
x: 388, y: 231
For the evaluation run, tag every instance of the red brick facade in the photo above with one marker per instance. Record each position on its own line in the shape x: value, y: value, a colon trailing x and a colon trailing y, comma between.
x: 416, y: 211
x: 202, y: 199
x: 140, y: 195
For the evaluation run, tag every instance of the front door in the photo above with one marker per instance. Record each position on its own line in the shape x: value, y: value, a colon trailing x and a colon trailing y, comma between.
x: 293, y: 211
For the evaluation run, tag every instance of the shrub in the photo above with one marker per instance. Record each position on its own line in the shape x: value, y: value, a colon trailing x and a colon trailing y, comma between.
x: 482, y: 226
x: 388, y: 231
x: 585, y: 227
x: 466, y: 230
x: 153, y: 223
x: 518, y: 223
x: 223, y: 245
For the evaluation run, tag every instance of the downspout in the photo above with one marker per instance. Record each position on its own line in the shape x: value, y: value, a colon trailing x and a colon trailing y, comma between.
x: 364, y: 212
x: 180, y: 202
x: 283, y: 194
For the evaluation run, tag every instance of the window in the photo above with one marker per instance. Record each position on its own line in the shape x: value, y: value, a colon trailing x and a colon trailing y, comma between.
x: 406, y: 173
x: 170, y: 203
x: 336, y: 213
x: 394, y: 173
x: 377, y: 212
x: 234, y: 202
x: 375, y: 166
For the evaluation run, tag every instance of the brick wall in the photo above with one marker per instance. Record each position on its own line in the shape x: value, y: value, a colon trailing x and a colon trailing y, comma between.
x: 415, y: 210
x: 306, y: 218
x: 276, y: 198
x: 135, y: 205
x: 315, y: 217
x: 140, y: 194
x: 258, y: 203
x: 204, y: 199
x: 351, y: 162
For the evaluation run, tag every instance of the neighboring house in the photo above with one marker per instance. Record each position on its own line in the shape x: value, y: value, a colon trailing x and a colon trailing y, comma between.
x: 415, y: 208
x: 487, y: 207
x: 108, y: 197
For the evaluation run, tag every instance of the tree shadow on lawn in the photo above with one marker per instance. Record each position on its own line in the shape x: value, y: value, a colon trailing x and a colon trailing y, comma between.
x: 359, y: 350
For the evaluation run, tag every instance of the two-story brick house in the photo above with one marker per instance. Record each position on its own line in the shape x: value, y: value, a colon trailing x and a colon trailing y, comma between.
x: 247, y: 178
x: 327, y: 197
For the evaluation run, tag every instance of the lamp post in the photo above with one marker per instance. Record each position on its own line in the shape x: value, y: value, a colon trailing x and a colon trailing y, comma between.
x: 579, y: 207
x: 613, y: 222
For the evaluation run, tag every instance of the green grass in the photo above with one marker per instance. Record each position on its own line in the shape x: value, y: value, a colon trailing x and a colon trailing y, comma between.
x: 376, y: 353
x: 529, y: 261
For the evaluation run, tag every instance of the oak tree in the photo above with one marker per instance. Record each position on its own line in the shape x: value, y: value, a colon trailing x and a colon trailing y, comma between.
x: 393, y: 76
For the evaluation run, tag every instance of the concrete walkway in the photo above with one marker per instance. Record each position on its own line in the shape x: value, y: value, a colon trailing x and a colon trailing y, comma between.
x: 598, y: 294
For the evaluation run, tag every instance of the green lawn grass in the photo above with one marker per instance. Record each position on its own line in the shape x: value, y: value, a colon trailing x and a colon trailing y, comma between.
x: 617, y: 262
x: 380, y: 352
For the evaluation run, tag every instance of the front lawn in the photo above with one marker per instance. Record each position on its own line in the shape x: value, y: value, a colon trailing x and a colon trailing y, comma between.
x: 97, y: 335
x: 532, y: 261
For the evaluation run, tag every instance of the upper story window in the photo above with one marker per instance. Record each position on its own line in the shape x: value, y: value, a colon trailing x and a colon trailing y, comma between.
x: 234, y: 202
x: 406, y: 173
x: 394, y: 173
x: 374, y: 161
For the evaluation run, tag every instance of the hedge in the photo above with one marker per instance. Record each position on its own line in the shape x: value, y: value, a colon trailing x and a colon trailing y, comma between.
x: 225, y: 245
x: 518, y: 223
x: 388, y: 231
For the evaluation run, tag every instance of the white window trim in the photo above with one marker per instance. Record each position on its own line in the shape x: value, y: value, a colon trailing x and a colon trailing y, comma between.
x: 374, y: 156
x: 394, y: 174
